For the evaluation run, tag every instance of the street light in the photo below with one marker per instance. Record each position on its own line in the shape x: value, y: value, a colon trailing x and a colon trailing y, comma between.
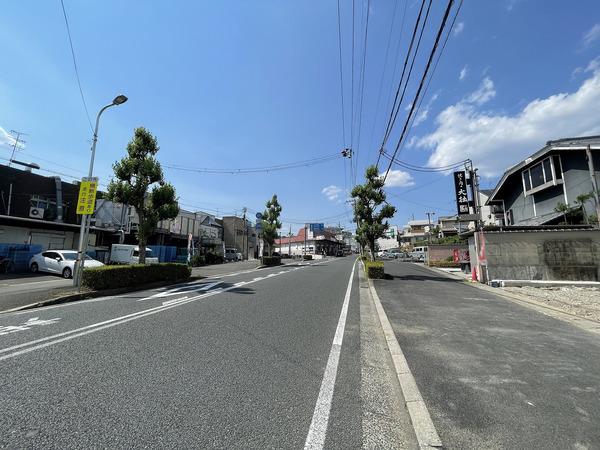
x: 86, y: 219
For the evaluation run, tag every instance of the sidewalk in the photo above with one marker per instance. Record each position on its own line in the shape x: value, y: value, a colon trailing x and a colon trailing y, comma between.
x: 493, y: 373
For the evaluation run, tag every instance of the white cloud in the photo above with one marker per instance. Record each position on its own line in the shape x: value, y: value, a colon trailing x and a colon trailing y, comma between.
x: 592, y: 35
x: 398, y: 178
x: 484, y: 92
x: 496, y: 142
x: 460, y: 26
x: 592, y: 66
x: 463, y: 73
x: 332, y: 192
x: 7, y: 140
x: 424, y: 113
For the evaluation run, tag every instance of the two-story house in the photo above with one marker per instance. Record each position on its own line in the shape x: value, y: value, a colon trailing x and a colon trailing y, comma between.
x: 529, y: 192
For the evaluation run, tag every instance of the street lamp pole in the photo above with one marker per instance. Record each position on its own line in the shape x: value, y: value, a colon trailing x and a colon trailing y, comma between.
x: 86, y: 219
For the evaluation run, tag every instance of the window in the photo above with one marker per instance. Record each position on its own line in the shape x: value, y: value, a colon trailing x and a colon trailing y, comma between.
x: 544, y: 174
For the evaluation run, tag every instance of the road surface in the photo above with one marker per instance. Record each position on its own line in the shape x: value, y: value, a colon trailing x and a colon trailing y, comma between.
x: 494, y: 374
x: 260, y: 359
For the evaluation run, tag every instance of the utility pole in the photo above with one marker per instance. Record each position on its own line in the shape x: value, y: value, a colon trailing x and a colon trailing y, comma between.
x: 245, y: 238
x: 290, y: 242
x: 429, y: 214
x: 18, y: 141
x: 588, y: 152
x: 305, y: 239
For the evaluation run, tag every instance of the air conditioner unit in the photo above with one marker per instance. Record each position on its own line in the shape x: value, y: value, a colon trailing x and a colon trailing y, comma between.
x: 37, y: 213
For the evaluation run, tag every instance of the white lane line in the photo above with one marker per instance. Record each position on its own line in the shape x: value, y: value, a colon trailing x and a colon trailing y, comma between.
x: 423, y: 426
x: 37, y: 282
x: 320, y: 419
x: 47, y: 341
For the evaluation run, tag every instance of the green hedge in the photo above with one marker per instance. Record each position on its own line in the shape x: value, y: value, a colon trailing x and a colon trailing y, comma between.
x: 271, y: 260
x: 444, y: 264
x: 374, y: 269
x: 108, y: 277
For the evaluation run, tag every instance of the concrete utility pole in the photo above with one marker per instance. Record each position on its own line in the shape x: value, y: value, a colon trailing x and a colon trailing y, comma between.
x: 18, y: 141
x: 305, y: 239
x: 429, y: 214
x: 588, y: 152
x: 290, y: 242
x: 245, y: 239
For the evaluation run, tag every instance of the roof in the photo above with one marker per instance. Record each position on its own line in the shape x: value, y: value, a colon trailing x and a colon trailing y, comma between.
x: 417, y: 223
x: 578, y: 143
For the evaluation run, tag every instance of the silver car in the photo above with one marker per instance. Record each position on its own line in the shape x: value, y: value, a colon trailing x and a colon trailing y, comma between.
x: 60, y: 262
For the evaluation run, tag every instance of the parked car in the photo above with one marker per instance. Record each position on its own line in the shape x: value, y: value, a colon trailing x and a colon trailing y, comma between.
x: 130, y: 254
x: 231, y: 254
x: 60, y: 262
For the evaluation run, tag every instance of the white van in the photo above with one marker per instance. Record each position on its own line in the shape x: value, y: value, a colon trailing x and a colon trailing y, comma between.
x: 419, y: 253
x: 129, y: 254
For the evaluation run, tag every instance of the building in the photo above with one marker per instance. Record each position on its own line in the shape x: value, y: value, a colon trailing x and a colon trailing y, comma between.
x: 530, y: 192
x: 38, y: 213
x: 390, y: 240
x: 414, y: 231
x: 241, y: 235
x: 310, y: 243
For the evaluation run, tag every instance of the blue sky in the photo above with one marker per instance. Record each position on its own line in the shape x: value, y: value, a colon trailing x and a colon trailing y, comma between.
x: 240, y: 84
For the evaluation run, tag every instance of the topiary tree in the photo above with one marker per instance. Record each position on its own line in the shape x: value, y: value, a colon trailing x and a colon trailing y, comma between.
x: 270, y: 223
x: 371, y: 209
x: 135, y: 175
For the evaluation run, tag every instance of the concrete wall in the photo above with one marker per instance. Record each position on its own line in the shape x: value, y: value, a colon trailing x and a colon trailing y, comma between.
x: 543, y: 255
x: 442, y: 252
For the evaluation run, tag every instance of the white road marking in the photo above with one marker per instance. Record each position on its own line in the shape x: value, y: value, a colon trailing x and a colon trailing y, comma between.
x: 320, y: 419
x: 198, y: 287
x: 47, y: 341
x: 27, y: 325
x: 175, y: 300
x: 36, y: 282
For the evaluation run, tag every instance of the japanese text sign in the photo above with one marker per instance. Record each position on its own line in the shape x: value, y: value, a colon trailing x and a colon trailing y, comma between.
x: 87, y: 195
x: 460, y: 188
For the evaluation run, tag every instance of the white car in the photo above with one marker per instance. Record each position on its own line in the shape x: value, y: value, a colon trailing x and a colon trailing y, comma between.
x: 61, y: 262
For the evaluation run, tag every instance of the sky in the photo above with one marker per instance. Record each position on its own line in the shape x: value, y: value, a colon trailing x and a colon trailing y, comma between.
x: 238, y: 84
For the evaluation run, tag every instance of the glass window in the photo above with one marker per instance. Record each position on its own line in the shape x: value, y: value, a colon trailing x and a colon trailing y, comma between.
x: 136, y: 253
x: 526, y: 180
x: 537, y: 175
x: 557, y: 167
x: 547, y: 170
x: 70, y: 256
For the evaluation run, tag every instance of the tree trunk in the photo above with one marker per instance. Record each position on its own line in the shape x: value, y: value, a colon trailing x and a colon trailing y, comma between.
x: 372, y: 249
x: 141, y: 238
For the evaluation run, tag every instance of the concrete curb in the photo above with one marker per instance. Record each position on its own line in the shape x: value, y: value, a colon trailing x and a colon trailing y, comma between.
x: 582, y: 322
x: 69, y: 298
x: 423, y: 426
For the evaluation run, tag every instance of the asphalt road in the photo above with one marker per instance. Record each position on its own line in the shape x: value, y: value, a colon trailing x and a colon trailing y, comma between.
x: 494, y: 374
x: 273, y: 358
x: 17, y: 290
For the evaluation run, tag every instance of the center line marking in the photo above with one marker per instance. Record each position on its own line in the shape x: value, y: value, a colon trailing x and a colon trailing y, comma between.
x: 320, y: 419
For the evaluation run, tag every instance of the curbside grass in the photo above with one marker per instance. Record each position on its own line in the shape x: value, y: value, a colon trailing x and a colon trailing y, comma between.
x: 108, y: 277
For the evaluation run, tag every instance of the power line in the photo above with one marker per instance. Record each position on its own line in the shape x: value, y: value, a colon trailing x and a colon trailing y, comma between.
x: 341, y: 76
x: 416, y: 98
x: 275, y: 168
x: 416, y: 168
x: 412, y: 41
x: 352, y: 169
x: 75, y: 66
x: 362, y: 83
x: 435, y: 67
x: 385, y: 61
x: 412, y: 64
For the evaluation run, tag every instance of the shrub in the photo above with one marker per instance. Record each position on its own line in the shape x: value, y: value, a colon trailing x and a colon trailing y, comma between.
x: 197, y: 260
x: 107, y: 277
x: 213, y: 258
x: 374, y: 269
x: 306, y: 257
x: 271, y: 260
x: 444, y: 264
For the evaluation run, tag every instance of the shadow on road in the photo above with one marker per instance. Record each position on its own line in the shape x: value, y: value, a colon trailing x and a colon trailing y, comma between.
x: 421, y: 278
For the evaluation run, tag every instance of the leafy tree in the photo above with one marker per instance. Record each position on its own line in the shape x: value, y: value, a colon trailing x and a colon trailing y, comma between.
x: 564, y: 209
x: 270, y: 223
x: 371, y: 209
x: 581, y: 200
x: 135, y: 174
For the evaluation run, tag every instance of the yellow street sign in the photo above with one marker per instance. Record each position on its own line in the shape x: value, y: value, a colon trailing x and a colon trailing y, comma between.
x: 87, y: 195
